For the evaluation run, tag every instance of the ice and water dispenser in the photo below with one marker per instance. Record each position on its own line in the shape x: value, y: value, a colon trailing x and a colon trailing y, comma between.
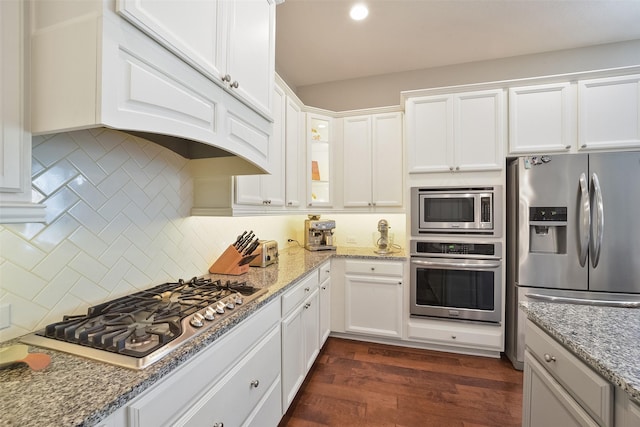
x: 548, y: 230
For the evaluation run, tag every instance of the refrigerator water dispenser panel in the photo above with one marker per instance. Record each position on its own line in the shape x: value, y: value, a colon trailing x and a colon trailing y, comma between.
x: 548, y: 230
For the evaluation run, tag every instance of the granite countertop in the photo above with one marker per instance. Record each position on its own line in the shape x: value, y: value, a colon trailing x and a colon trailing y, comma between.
x: 75, y: 391
x: 605, y: 338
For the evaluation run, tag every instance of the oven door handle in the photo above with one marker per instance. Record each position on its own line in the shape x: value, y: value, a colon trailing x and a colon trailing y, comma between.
x: 484, y: 265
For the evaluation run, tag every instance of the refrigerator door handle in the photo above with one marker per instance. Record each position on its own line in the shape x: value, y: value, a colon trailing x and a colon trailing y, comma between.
x: 584, y: 221
x: 598, y: 223
x: 586, y: 301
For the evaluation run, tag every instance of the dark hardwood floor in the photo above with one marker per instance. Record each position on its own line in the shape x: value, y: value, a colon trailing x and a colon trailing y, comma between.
x: 356, y: 383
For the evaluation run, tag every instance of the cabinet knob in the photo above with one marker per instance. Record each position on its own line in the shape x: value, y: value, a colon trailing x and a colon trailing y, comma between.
x: 567, y: 147
x: 399, y: 283
x: 255, y: 383
x: 583, y: 146
x: 373, y: 269
x: 453, y: 337
x: 226, y: 78
x: 307, y: 305
x: 235, y: 84
x: 549, y: 358
x: 324, y: 288
x: 218, y: 425
x: 289, y: 203
x: 307, y: 289
x: 369, y: 203
x: 457, y: 168
x: 451, y: 168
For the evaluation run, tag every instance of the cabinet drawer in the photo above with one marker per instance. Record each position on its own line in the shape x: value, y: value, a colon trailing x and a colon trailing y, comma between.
x: 302, y: 290
x: 387, y: 268
x: 325, y: 271
x: 457, y: 335
x: 234, y: 397
x: 592, y: 391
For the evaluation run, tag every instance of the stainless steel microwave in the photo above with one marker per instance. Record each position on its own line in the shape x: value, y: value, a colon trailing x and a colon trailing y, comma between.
x: 456, y: 211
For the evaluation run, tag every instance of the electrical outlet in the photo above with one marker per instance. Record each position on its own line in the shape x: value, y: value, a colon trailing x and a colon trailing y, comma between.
x: 5, y: 316
x: 352, y: 239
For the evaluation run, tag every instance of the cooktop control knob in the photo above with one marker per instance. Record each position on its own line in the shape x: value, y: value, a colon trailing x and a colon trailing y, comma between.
x: 230, y: 304
x: 196, y: 320
x: 220, y: 307
x: 238, y: 299
x: 209, y: 313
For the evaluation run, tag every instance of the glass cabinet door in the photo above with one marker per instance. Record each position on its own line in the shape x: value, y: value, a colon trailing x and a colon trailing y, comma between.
x: 319, y: 160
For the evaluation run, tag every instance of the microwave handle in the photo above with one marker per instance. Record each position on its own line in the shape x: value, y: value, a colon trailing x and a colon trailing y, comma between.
x: 488, y: 265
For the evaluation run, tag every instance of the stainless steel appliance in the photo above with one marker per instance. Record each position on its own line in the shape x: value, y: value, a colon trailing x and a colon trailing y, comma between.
x: 267, y: 253
x: 456, y: 210
x: 573, y: 233
x: 318, y: 234
x: 137, y: 330
x: 456, y: 280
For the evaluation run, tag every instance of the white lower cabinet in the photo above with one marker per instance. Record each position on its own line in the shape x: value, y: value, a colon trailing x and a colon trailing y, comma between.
x: 373, y: 298
x: 300, y: 335
x: 559, y: 389
x: 233, y: 382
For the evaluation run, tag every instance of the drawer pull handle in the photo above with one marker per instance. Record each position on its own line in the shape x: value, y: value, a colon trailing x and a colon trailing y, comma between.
x: 307, y: 289
x: 453, y: 336
x: 255, y: 383
x: 218, y: 425
x: 373, y: 269
x: 549, y: 358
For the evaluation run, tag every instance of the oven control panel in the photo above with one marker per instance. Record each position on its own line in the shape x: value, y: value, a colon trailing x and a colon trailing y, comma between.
x: 456, y: 249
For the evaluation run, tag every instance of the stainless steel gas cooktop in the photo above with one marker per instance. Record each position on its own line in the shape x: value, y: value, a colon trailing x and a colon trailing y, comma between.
x: 137, y: 330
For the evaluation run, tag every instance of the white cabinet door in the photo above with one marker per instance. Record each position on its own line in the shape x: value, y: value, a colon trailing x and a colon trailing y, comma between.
x: 387, y: 163
x: 325, y: 303
x: 609, y: 113
x: 357, y: 154
x: 251, y: 50
x: 479, y: 131
x: 541, y: 118
x: 456, y: 132
x: 267, y: 190
x: 372, y: 150
x: 15, y: 137
x: 430, y: 133
x: 300, y: 346
x: 294, y: 143
x: 373, y: 305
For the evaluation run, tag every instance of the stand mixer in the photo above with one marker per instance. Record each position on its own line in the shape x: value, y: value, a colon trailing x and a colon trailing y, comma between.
x: 318, y: 234
x: 383, y: 243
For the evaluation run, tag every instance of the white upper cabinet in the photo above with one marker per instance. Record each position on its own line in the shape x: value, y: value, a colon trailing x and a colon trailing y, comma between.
x: 232, y: 42
x: 609, y: 113
x: 541, y: 118
x: 456, y: 132
x: 15, y: 138
x: 160, y: 82
x: 267, y: 190
x: 372, y: 150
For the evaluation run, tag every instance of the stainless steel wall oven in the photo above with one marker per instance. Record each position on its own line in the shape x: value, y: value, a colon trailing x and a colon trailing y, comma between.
x: 456, y: 280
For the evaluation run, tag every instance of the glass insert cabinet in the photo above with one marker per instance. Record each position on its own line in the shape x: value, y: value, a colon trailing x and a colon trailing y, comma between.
x: 319, y: 160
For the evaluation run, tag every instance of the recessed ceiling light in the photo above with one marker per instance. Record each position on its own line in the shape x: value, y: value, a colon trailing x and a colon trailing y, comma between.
x: 359, y: 12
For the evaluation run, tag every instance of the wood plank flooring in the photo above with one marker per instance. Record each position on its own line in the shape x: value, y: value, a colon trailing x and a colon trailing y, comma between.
x: 356, y: 383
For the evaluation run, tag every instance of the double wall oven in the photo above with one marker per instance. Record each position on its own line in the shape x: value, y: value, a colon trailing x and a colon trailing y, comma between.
x: 456, y: 262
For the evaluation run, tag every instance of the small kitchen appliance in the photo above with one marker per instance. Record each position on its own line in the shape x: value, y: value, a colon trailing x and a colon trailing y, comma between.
x: 139, y: 329
x: 318, y: 234
x: 383, y: 240
x: 267, y: 253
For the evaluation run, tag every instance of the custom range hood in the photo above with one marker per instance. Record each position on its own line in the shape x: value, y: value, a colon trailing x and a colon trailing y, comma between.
x: 91, y: 68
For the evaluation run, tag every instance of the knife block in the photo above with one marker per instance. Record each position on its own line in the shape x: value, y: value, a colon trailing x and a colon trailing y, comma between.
x: 230, y: 263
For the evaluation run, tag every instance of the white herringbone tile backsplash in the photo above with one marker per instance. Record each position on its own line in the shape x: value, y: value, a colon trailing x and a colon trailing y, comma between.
x: 117, y: 221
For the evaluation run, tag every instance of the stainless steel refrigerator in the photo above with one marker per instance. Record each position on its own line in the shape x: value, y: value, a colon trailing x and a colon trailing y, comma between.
x: 573, y: 234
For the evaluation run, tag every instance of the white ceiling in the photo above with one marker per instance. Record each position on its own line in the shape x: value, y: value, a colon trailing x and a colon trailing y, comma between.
x: 317, y: 42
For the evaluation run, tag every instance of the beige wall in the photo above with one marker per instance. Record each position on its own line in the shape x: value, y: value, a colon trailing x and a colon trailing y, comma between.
x: 384, y: 90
